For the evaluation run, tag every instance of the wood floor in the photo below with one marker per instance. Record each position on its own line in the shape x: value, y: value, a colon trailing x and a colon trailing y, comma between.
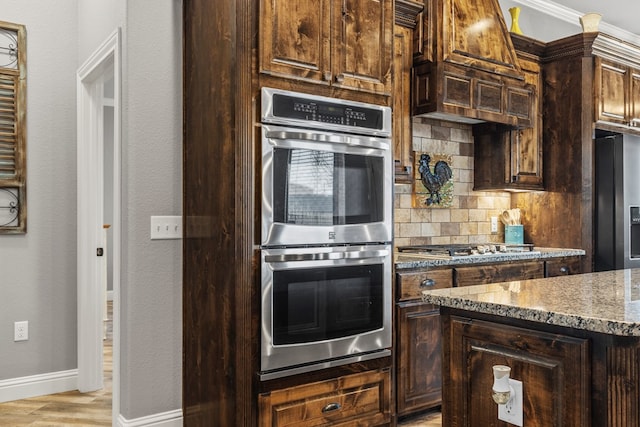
x: 429, y: 419
x: 66, y: 409
x: 94, y: 409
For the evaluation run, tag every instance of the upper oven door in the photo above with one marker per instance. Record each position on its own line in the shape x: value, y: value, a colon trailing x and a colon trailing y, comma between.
x: 325, y: 188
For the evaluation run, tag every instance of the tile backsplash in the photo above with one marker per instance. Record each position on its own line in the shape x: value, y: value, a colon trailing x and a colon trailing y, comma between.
x: 468, y: 220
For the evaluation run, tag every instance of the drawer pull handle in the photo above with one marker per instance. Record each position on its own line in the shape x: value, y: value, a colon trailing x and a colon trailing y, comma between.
x: 564, y: 270
x: 331, y: 407
x: 427, y: 283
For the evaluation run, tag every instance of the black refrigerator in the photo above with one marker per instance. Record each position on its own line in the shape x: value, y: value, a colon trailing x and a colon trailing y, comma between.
x: 617, y: 201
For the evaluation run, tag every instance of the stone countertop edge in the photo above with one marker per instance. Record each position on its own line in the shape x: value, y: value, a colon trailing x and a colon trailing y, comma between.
x: 604, y: 302
x: 407, y: 261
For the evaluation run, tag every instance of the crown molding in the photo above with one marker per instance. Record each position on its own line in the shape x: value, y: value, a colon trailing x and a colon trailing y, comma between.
x: 616, y: 50
x: 572, y: 16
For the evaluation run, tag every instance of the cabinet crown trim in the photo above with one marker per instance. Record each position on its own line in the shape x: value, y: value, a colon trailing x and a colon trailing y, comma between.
x: 611, y: 48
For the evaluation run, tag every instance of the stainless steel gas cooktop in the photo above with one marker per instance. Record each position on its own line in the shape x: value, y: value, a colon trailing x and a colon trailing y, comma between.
x: 464, y: 250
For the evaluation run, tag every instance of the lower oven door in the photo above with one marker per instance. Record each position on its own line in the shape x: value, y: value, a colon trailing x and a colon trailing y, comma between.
x: 324, y: 307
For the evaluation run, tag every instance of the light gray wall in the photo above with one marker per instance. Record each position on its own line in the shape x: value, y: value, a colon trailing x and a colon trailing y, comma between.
x: 538, y: 25
x: 97, y: 19
x: 152, y: 176
x: 38, y: 269
x: 151, y: 276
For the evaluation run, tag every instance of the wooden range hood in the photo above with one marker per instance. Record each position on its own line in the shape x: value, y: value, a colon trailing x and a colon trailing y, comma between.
x: 468, y: 69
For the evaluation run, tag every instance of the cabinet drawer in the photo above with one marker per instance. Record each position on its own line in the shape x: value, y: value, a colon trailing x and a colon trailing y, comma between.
x: 483, y: 274
x: 351, y: 400
x: 563, y: 267
x: 411, y: 285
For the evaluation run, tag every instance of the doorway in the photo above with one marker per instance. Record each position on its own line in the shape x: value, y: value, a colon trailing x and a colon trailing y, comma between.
x: 99, y: 195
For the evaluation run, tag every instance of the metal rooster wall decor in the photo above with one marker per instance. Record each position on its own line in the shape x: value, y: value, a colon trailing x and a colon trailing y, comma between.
x: 437, y: 184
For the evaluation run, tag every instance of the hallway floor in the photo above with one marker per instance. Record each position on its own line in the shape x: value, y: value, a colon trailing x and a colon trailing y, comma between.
x: 71, y: 408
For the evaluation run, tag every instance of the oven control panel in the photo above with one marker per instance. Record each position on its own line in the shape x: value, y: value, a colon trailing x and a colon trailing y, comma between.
x: 326, y: 112
x: 310, y: 110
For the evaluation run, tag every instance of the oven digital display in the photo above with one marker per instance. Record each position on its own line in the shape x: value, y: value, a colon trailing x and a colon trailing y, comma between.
x: 332, y: 110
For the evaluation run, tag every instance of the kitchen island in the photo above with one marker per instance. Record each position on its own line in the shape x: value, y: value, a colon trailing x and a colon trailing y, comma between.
x: 573, y: 341
x: 417, y: 326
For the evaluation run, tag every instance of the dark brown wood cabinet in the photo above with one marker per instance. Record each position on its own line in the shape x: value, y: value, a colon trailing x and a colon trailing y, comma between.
x: 510, y: 158
x: 345, y: 44
x: 408, y: 22
x: 465, y: 76
x: 554, y: 369
x: 590, y: 80
x: 562, y: 266
x: 419, y: 360
x: 231, y: 49
x: 418, y: 330
x: 418, y: 341
x: 493, y: 273
x: 355, y: 400
x: 617, y: 93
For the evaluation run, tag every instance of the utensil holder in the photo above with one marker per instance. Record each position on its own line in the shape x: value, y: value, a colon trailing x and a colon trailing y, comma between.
x: 513, y: 234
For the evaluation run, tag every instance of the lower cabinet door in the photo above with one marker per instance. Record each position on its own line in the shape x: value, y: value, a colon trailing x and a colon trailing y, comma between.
x: 419, y: 360
x: 554, y: 370
x: 357, y: 400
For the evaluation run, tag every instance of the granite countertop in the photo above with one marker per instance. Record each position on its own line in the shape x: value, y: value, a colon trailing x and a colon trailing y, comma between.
x: 406, y: 260
x: 604, y: 302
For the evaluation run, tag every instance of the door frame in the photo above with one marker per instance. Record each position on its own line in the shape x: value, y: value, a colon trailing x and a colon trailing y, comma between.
x: 90, y: 160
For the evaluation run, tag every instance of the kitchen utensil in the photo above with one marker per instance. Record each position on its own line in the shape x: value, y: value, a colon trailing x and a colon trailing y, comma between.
x: 510, y: 217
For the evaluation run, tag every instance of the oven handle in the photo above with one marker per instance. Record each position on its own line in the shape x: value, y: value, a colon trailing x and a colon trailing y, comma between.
x: 331, y: 138
x: 323, y: 256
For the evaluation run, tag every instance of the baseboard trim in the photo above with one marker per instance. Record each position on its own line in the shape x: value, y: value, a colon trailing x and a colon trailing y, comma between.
x: 163, y: 419
x: 38, y: 385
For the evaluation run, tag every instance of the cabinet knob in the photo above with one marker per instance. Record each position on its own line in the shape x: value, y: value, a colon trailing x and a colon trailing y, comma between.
x: 331, y: 407
x: 427, y: 283
x: 327, y: 76
x: 564, y: 269
x: 340, y: 78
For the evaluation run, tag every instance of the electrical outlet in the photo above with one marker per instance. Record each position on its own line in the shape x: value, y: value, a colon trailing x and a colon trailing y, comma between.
x: 511, y: 412
x: 494, y: 224
x: 21, y: 331
x: 166, y: 227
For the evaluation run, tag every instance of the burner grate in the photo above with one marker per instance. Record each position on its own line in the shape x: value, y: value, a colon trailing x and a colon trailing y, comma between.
x: 465, y: 249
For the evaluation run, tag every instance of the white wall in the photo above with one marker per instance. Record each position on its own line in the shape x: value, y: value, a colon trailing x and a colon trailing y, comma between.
x: 38, y: 269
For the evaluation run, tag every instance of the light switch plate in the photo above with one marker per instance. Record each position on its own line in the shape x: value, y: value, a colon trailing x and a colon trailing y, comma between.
x: 166, y: 227
x: 511, y: 412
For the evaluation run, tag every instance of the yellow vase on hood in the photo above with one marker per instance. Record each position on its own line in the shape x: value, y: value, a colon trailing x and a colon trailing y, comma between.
x: 515, y: 15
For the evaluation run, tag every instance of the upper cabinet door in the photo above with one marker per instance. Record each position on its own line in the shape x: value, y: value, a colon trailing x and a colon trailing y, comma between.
x: 295, y: 39
x: 634, y: 113
x: 362, y: 44
x: 338, y: 43
x: 611, y: 88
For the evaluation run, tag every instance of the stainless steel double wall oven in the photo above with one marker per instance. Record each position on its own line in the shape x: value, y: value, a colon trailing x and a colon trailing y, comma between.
x: 326, y: 232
